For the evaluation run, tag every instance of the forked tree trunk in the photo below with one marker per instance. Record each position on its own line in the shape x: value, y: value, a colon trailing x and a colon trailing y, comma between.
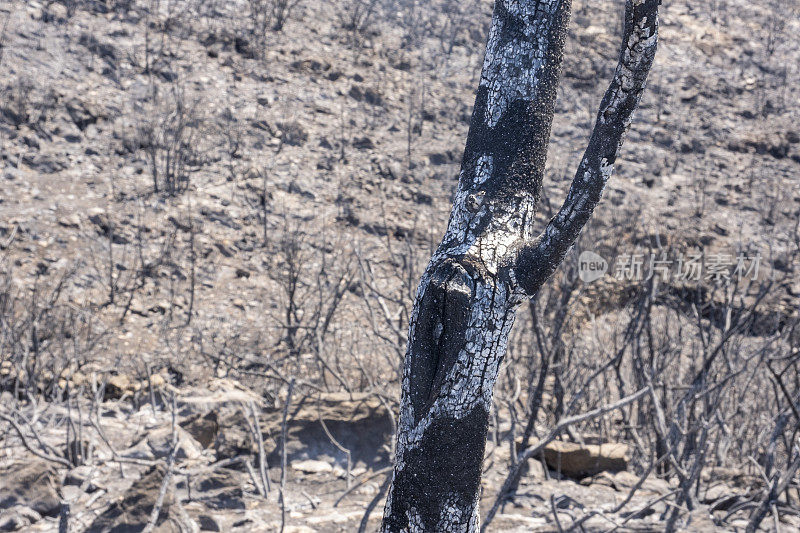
x: 489, y: 259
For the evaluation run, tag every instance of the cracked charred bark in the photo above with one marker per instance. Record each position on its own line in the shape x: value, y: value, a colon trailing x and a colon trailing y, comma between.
x: 489, y: 260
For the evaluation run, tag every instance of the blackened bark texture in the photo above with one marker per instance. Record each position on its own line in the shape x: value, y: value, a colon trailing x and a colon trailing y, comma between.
x: 489, y: 260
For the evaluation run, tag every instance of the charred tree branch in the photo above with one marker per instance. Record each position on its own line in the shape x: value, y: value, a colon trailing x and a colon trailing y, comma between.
x: 539, y: 260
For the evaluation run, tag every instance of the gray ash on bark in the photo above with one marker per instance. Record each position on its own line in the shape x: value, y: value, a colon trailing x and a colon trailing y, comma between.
x: 489, y: 260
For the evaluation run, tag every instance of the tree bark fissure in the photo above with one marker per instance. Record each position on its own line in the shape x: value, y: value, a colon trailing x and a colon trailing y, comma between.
x: 489, y: 260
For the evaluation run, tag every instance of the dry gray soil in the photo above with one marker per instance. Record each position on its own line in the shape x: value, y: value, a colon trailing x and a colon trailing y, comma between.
x: 296, y: 175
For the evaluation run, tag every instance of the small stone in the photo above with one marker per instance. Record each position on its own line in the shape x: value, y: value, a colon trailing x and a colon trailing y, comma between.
x: 207, y: 523
x: 312, y: 466
x: 298, y: 529
x: 576, y: 460
x: 204, y: 428
x: 367, y: 489
x: 71, y: 493
x: 438, y: 158
x: 70, y: 221
x: 330, y: 518
x: 117, y: 386
x: 363, y: 143
x: 161, y: 443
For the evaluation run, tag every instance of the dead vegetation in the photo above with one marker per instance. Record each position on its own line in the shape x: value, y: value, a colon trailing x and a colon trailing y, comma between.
x: 213, y: 220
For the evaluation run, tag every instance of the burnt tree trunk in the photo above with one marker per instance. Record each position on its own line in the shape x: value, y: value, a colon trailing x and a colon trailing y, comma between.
x: 489, y: 260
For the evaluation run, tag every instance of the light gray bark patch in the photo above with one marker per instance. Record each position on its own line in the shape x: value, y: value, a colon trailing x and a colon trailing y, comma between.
x: 505, y: 153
